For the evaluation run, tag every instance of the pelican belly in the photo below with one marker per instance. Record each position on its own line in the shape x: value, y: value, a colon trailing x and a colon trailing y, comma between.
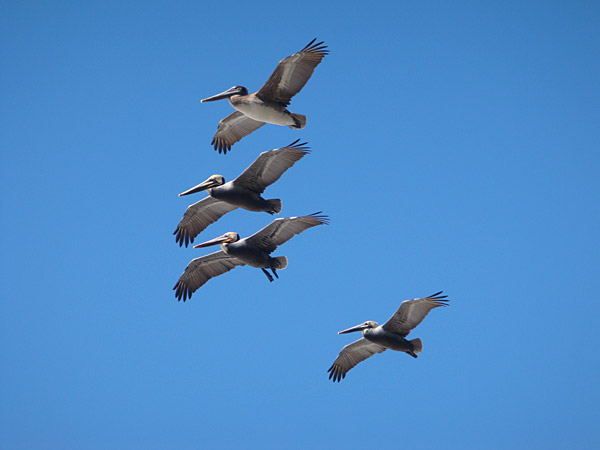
x: 244, y: 198
x: 258, y: 110
x: 389, y: 340
x: 251, y: 255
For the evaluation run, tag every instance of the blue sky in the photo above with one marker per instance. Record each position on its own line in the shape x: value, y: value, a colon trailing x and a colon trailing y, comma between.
x: 454, y: 146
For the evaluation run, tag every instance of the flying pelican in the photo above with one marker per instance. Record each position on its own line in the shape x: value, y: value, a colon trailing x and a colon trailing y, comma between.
x: 254, y: 250
x: 268, y: 105
x: 243, y: 192
x: 391, y: 334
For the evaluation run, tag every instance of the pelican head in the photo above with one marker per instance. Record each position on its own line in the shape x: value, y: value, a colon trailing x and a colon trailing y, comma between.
x: 214, y: 180
x: 362, y: 327
x: 225, y: 239
x: 235, y: 90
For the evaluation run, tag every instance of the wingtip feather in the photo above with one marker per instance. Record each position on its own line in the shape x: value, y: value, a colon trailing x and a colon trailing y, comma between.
x: 442, y: 299
x: 299, y: 146
x: 323, y: 218
x: 317, y: 47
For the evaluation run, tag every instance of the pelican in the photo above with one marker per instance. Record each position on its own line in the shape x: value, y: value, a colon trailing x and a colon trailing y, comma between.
x: 378, y: 338
x: 254, y: 250
x: 243, y: 192
x: 268, y: 105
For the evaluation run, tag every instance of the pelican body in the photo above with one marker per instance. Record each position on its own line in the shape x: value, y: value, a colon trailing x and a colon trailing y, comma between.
x: 254, y: 250
x: 243, y: 192
x: 392, y: 340
x: 260, y: 109
x: 248, y: 252
x: 240, y: 196
x: 244, y: 198
x: 269, y: 103
x: 391, y: 335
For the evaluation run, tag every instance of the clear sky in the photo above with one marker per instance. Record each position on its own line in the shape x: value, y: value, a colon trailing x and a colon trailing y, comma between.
x: 455, y: 146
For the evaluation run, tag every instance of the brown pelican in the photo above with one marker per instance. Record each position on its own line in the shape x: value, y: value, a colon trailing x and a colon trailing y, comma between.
x: 391, y: 334
x: 254, y: 250
x: 243, y: 192
x: 268, y: 105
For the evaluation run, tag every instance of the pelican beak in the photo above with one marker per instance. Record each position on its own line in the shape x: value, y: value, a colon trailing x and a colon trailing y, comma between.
x: 226, y: 94
x: 201, y: 187
x: 360, y: 327
x: 215, y: 241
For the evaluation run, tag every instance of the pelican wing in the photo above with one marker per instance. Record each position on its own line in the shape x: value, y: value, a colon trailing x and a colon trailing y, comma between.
x: 233, y: 128
x: 202, y: 269
x: 292, y: 73
x: 198, y: 216
x: 269, y: 166
x: 351, y: 355
x: 282, y: 230
x: 412, y: 312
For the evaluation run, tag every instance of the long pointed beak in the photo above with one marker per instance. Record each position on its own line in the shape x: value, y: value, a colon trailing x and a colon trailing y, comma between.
x: 214, y: 241
x: 353, y: 329
x: 201, y: 187
x: 226, y: 94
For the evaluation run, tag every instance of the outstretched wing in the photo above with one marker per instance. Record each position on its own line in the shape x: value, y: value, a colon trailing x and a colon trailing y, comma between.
x: 292, y: 73
x: 269, y: 166
x: 202, y: 269
x: 198, y: 216
x: 412, y: 312
x: 282, y: 230
x: 351, y: 355
x: 233, y: 128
